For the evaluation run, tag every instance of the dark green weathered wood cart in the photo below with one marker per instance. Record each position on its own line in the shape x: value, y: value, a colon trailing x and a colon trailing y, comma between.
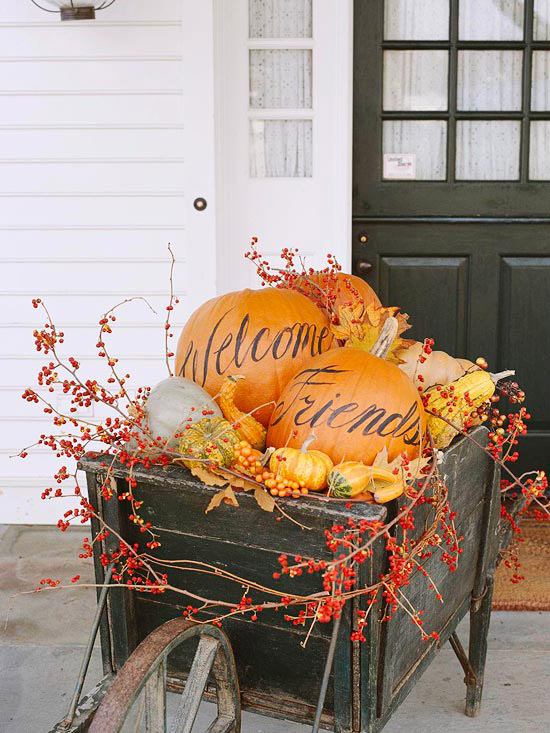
x: 277, y: 675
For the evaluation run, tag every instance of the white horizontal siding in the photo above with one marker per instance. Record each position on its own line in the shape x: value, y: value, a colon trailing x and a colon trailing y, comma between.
x: 90, y: 38
x: 94, y: 183
x: 51, y: 108
x: 87, y: 143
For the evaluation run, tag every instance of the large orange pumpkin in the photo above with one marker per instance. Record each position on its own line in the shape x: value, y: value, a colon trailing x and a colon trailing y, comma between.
x: 355, y: 403
x: 347, y: 288
x: 263, y: 335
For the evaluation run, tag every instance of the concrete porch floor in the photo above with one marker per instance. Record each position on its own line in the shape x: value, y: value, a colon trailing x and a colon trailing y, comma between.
x: 42, y: 638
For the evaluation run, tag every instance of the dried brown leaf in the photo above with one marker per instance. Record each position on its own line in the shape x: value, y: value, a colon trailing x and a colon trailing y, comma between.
x: 414, y: 467
x: 350, y: 318
x: 238, y: 481
x: 360, y: 328
x: 264, y: 499
x: 226, y: 496
x: 208, y: 477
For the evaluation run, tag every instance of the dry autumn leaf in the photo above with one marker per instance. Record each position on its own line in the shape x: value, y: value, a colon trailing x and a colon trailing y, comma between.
x: 414, y: 467
x: 237, y: 480
x: 264, y: 499
x: 208, y: 477
x: 360, y: 328
x: 227, y: 496
x: 350, y: 322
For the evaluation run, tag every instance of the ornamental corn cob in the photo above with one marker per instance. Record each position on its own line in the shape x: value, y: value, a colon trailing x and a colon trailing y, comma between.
x: 457, y: 403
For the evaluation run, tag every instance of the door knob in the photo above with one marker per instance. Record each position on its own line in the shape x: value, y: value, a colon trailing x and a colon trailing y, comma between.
x: 363, y: 267
x: 200, y: 204
x: 363, y: 237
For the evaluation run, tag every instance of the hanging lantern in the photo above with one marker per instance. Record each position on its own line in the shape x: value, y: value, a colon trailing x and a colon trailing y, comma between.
x: 73, y: 9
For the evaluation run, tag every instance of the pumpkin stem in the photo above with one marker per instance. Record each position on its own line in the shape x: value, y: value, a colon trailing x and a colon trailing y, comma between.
x: 264, y: 460
x: 502, y: 375
x: 307, y: 442
x: 387, y: 336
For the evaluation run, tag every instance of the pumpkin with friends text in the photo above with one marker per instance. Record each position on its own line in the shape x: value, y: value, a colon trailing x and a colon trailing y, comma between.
x: 265, y: 336
x: 355, y: 403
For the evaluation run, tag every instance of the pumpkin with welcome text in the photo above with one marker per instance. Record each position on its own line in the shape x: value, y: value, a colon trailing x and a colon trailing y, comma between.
x: 264, y: 335
x: 356, y: 404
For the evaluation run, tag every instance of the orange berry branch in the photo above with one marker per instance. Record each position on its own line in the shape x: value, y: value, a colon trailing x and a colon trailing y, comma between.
x: 229, y: 450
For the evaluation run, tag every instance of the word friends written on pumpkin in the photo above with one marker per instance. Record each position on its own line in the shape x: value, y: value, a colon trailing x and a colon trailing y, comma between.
x: 224, y: 350
x: 308, y: 409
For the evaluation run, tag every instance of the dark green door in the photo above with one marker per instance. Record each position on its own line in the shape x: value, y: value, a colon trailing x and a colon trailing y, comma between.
x: 451, y: 206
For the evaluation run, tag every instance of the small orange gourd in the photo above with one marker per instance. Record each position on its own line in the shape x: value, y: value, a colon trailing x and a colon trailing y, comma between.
x: 351, y: 478
x: 310, y: 468
x: 247, y: 427
x: 388, y: 491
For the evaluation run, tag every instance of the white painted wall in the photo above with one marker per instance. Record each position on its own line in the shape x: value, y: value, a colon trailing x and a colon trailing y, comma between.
x: 106, y: 137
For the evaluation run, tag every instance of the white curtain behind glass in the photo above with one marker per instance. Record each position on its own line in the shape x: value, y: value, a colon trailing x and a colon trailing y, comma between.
x: 424, y: 20
x: 539, y: 151
x: 487, y: 150
x: 491, y: 20
x: 541, y: 20
x: 280, y: 19
x: 281, y: 79
x: 280, y: 148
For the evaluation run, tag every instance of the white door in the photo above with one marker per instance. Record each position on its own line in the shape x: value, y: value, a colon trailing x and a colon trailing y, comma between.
x: 106, y: 140
x: 284, y: 131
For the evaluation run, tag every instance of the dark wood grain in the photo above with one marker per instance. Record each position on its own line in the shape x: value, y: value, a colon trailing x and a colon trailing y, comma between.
x: 369, y: 680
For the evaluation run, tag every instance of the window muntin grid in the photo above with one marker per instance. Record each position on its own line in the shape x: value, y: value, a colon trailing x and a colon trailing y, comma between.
x: 514, y: 52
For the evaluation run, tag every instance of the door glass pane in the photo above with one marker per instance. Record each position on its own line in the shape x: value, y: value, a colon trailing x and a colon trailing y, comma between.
x: 423, y: 145
x: 409, y: 20
x: 280, y: 78
x: 487, y: 150
x: 539, y: 151
x: 415, y: 80
x: 491, y: 20
x: 281, y: 148
x: 489, y: 80
x: 541, y: 20
x: 540, y: 84
x: 279, y: 18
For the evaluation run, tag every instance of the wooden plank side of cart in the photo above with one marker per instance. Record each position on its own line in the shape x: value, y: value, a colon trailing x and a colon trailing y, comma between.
x: 279, y: 677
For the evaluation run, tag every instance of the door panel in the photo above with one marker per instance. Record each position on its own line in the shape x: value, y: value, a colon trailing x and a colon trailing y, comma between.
x: 451, y: 181
x: 523, y: 328
x: 434, y: 289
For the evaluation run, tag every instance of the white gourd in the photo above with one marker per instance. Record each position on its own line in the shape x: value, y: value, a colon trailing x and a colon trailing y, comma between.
x: 168, y: 407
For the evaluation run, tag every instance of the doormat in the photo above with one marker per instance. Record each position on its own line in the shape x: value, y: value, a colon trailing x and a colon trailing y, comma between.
x: 532, y: 593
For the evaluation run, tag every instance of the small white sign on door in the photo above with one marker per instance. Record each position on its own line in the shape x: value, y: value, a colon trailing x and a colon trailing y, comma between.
x: 400, y: 166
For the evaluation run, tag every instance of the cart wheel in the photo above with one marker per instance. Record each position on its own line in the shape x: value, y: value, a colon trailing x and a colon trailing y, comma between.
x: 146, y: 670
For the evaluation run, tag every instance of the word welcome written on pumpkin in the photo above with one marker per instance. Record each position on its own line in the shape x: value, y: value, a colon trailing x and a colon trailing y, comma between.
x: 225, y: 349
x: 309, y: 409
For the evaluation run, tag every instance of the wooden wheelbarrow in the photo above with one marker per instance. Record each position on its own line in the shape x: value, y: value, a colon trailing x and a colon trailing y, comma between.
x: 332, y: 683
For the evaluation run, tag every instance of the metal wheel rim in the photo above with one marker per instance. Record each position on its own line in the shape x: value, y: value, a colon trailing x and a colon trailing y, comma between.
x: 145, y: 670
